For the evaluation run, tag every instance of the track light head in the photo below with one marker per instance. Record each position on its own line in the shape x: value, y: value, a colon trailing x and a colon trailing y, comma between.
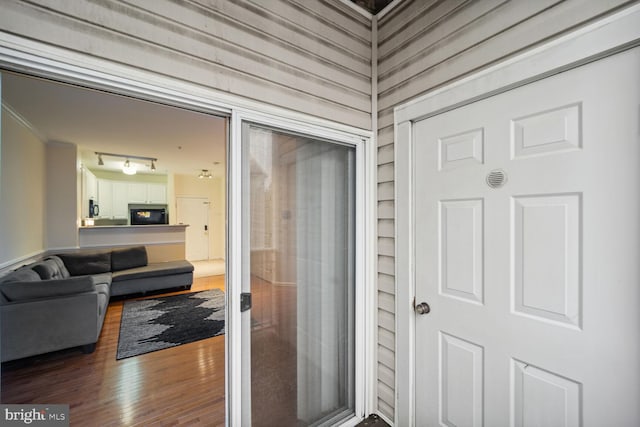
x: 128, y: 168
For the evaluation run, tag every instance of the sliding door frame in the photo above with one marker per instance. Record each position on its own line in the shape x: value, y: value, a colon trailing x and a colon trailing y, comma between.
x: 41, y: 60
x: 364, y: 298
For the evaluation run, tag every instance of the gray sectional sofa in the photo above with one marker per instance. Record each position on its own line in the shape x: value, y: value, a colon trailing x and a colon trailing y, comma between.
x: 61, y: 301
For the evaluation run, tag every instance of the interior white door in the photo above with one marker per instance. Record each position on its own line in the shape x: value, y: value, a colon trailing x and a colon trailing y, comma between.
x: 527, y: 251
x: 194, y: 211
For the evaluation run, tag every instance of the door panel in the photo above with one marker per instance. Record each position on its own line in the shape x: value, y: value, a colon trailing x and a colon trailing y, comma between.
x: 527, y: 240
x: 194, y: 211
x: 300, y: 217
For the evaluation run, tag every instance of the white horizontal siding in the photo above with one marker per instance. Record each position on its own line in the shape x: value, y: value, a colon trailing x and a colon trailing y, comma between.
x: 386, y: 375
x: 386, y: 210
x: 386, y: 283
x: 307, y: 57
x: 423, y: 45
x: 387, y: 339
x: 385, y: 172
x: 386, y: 301
x: 386, y: 247
x: 385, y: 154
x: 385, y: 192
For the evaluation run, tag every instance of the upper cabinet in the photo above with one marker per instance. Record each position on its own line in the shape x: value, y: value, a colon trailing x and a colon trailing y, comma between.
x: 137, y: 192
x: 105, y: 198
x: 120, y: 200
x: 114, y: 197
x: 157, y: 193
x: 147, y: 193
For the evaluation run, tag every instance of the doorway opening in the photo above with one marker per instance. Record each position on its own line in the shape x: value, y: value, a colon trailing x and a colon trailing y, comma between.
x: 40, y: 115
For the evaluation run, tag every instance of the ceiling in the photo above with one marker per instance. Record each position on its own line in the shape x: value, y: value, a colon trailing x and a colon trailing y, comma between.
x: 183, y: 141
x: 372, y: 6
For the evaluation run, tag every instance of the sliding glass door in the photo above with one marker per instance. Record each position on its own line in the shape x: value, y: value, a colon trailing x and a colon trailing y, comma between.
x: 299, y: 267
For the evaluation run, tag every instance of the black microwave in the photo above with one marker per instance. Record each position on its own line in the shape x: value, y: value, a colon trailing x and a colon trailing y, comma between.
x: 149, y: 216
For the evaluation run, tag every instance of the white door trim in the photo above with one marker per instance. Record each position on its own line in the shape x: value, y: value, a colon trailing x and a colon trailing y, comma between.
x: 42, y: 60
x: 608, y: 36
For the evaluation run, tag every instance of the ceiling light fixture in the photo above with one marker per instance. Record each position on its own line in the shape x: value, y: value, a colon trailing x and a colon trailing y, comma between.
x: 127, y: 168
x: 205, y: 174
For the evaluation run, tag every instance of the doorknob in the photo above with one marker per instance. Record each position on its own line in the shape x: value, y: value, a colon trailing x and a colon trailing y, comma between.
x: 423, y: 308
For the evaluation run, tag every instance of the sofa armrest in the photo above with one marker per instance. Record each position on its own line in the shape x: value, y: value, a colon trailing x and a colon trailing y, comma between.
x: 43, y: 325
x: 22, y: 291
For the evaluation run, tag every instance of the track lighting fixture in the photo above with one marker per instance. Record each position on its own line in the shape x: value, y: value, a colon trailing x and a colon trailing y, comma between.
x: 127, y: 168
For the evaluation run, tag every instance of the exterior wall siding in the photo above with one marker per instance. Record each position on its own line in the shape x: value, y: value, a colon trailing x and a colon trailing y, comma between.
x: 426, y: 44
x: 311, y: 57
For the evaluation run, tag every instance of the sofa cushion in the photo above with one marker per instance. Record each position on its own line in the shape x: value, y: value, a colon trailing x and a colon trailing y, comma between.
x: 20, y: 291
x: 51, y: 268
x: 122, y: 259
x: 82, y: 263
x: 23, y: 274
x: 63, y: 270
x: 155, y: 269
x: 102, y: 278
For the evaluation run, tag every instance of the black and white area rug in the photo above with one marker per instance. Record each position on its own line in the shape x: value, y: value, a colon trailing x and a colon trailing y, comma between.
x: 158, y: 323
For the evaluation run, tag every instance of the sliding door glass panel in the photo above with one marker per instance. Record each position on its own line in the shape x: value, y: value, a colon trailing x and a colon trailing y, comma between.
x: 300, y: 219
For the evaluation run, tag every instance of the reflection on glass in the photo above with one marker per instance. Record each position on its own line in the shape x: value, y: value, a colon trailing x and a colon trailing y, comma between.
x: 301, y: 224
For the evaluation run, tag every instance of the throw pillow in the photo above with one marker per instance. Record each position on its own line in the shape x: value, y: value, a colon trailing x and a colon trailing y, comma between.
x: 123, y: 259
x: 50, y: 269
x: 83, y: 263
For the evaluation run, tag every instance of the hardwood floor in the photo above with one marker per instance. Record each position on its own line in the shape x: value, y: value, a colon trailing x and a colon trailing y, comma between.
x: 182, y: 385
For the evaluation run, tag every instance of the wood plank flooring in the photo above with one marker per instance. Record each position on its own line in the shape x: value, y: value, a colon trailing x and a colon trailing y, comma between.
x: 182, y: 385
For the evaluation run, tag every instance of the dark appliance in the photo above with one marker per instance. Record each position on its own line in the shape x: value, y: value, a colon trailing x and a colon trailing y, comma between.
x: 148, y: 216
x: 94, y: 210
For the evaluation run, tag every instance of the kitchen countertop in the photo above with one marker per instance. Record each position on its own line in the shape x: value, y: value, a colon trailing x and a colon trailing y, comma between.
x: 124, y: 235
x: 102, y: 227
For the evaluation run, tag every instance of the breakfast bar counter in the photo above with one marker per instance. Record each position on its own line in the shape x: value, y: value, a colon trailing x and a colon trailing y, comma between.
x: 124, y: 235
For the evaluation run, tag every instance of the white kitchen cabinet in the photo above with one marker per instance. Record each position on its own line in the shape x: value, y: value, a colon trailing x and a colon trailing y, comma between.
x: 113, y: 197
x: 147, y: 193
x: 137, y: 192
x: 105, y: 198
x: 120, y: 200
x: 156, y: 193
x: 114, y: 202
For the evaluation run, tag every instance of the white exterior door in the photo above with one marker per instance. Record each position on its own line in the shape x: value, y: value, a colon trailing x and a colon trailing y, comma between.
x: 527, y: 245
x: 194, y: 211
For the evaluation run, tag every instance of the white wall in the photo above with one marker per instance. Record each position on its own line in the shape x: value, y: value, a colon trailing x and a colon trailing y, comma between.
x: 22, y: 192
x: 423, y: 45
x: 61, y: 211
